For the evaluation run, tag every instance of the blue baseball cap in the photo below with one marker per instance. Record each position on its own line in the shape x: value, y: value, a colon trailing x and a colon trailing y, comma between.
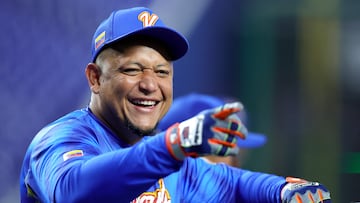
x: 187, y: 106
x: 137, y: 22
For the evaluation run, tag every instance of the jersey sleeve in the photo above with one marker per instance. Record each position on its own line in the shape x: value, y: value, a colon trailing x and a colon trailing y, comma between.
x: 222, y: 183
x: 67, y: 165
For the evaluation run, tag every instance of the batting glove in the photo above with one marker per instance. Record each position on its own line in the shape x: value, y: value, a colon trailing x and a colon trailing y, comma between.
x: 212, y: 131
x: 299, y: 191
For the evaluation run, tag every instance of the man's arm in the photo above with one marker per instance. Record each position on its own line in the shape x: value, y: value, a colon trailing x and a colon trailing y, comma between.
x: 222, y: 183
x: 120, y: 175
x: 214, y: 132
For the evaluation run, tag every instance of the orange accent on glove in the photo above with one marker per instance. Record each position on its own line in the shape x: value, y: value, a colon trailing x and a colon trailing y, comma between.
x: 223, y: 114
x: 226, y: 144
x: 295, y: 180
x: 228, y: 131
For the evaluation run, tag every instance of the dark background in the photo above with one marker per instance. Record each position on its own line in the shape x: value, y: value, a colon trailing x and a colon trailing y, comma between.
x: 294, y: 64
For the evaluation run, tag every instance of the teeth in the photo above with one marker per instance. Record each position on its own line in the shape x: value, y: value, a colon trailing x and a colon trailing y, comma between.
x: 145, y: 103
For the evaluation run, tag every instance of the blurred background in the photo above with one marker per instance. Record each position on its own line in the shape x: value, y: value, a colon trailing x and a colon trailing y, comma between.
x: 294, y: 64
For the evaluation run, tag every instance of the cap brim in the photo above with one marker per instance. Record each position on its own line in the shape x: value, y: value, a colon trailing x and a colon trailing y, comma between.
x: 252, y: 140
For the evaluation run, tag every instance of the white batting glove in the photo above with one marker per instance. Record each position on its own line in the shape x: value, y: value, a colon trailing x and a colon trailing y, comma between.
x: 301, y: 191
x: 211, y: 132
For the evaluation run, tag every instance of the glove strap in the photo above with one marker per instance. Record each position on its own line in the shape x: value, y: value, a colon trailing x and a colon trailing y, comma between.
x: 173, y: 143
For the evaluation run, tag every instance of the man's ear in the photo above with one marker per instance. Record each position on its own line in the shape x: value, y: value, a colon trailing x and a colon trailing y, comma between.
x: 93, y: 73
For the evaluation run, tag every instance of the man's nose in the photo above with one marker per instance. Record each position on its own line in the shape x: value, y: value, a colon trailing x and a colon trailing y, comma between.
x: 148, y: 82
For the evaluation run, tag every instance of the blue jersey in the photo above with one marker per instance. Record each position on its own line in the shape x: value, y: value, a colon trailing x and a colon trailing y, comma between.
x: 78, y: 159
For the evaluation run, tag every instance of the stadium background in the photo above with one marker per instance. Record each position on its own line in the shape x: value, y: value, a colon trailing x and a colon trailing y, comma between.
x: 294, y: 64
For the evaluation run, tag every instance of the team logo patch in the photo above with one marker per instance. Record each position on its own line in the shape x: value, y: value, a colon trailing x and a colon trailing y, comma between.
x: 72, y: 154
x: 100, y: 39
x: 161, y: 194
x: 148, y: 19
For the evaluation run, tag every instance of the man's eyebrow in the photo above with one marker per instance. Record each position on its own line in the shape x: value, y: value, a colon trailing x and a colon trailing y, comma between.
x: 165, y: 64
x: 132, y: 63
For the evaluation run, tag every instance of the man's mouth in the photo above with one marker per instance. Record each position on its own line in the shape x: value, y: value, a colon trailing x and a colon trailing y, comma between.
x: 144, y: 103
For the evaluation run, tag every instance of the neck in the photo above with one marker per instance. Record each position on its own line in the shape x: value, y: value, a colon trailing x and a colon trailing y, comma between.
x: 121, y: 130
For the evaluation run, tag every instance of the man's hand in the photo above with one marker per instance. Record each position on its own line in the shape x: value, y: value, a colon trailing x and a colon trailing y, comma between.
x: 213, y: 131
x: 301, y: 191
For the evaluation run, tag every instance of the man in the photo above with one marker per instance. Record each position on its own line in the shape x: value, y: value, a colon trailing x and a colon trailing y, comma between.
x: 189, y: 105
x: 100, y: 154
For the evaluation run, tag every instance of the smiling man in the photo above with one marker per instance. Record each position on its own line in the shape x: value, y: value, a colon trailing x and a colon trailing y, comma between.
x: 131, y: 84
x: 100, y: 153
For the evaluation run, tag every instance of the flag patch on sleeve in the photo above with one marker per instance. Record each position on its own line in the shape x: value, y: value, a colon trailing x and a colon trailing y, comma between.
x: 72, y: 154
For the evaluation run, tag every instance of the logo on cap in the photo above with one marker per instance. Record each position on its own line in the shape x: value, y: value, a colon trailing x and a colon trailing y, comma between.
x: 148, y: 19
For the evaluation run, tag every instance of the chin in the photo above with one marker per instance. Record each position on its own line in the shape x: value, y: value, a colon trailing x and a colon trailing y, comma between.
x: 144, y: 129
x: 146, y: 132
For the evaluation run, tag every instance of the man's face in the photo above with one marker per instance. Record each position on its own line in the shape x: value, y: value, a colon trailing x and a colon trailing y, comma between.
x: 135, y: 88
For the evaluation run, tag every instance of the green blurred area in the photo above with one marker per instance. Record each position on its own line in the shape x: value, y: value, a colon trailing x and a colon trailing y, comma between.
x: 291, y: 59
x: 351, y: 163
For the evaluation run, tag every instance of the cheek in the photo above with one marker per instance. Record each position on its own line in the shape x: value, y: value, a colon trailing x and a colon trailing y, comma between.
x: 167, y: 106
x: 122, y: 85
x: 114, y: 90
x: 166, y: 86
x: 167, y: 89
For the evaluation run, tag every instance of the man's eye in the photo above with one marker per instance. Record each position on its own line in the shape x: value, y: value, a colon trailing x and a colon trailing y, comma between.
x: 163, y: 73
x: 130, y: 71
